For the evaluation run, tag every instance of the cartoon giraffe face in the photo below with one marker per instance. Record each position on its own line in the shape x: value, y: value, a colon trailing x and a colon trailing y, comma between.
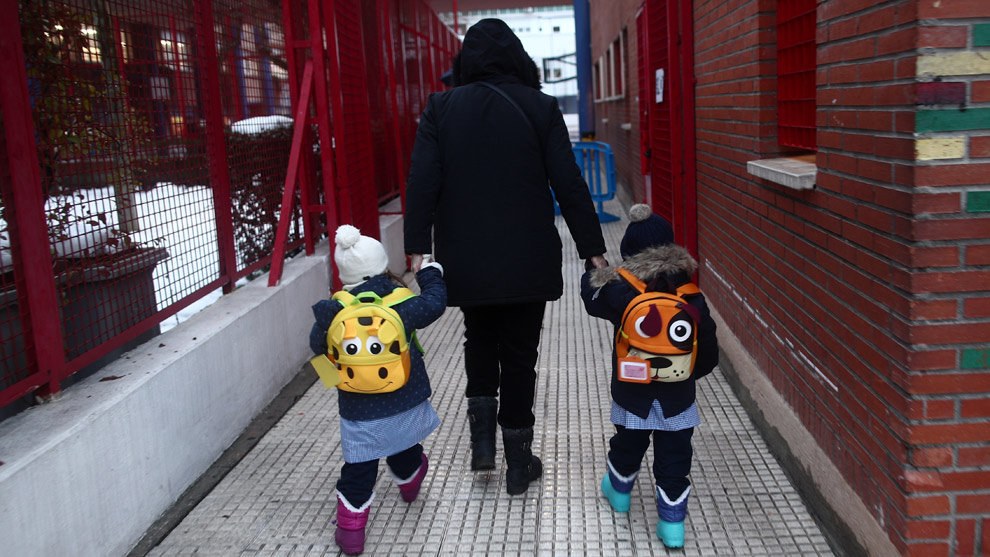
x: 369, y: 353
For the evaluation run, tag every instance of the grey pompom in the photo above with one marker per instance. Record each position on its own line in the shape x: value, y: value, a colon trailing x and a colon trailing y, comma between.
x: 639, y: 212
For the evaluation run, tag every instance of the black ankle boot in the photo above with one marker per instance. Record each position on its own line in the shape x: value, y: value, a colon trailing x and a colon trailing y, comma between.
x: 482, y: 413
x: 522, y: 465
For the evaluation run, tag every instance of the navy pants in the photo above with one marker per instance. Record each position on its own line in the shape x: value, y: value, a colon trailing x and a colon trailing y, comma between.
x: 357, y: 479
x: 500, y: 350
x: 672, y: 454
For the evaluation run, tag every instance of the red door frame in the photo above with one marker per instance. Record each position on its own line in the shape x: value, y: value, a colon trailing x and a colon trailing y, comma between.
x: 678, y: 105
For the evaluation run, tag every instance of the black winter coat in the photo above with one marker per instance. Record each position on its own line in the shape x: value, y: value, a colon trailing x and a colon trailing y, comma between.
x: 477, y: 195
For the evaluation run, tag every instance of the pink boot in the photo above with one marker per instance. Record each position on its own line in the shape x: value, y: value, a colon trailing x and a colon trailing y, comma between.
x: 350, y: 525
x: 409, y: 487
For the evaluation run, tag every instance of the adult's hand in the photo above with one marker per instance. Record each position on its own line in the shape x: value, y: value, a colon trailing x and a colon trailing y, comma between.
x: 415, y: 262
x: 598, y: 261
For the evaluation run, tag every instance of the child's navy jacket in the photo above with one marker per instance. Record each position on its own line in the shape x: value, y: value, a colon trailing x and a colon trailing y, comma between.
x: 606, y: 294
x: 416, y: 313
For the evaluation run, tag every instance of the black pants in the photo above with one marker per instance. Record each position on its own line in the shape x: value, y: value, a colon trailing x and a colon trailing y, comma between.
x: 357, y: 479
x: 500, y: 351
x: 672, y: 454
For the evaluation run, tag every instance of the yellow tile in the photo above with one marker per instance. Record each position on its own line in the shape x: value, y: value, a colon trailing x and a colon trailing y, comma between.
x: 940, y: 148
x: 959, y: 63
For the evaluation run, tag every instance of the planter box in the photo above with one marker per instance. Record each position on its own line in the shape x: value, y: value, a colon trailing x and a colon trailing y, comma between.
x: 98, y: 300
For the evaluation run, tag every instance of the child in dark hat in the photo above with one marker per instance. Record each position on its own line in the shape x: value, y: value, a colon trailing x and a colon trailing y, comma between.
x: 660, y: 403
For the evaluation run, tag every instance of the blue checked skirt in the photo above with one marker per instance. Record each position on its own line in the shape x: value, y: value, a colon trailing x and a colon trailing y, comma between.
x: 361, y: 441
x: 656, y: 420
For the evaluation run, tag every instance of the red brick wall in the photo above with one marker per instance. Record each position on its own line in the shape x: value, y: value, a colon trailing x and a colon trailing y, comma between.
x: 608, y: 20
x: 865, y: 299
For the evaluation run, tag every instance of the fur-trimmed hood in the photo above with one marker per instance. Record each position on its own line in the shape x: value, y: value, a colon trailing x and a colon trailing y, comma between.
x: 648, y: 264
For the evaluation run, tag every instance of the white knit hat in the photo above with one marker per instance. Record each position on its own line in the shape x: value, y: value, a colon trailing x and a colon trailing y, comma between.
x: 358, y: 257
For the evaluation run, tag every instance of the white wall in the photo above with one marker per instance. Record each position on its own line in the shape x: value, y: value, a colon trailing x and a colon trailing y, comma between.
x: 88, y: 473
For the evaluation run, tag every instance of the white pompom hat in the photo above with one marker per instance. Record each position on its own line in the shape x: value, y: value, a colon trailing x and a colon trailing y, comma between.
x: 358, y: 257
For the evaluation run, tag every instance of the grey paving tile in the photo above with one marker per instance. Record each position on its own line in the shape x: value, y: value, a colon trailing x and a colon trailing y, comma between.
x: 279, y: 500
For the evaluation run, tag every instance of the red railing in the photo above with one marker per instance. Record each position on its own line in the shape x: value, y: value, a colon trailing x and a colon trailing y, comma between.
x: 144, y: 146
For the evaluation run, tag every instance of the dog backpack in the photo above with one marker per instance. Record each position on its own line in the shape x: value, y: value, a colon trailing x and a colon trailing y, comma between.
x: 657, y: 337
x: 367, y: 351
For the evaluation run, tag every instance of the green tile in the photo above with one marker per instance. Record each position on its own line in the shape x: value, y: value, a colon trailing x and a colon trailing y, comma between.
x: 978, y: 201
x: 951, y: 120
x: 976, y: 358
x: 981, y: 34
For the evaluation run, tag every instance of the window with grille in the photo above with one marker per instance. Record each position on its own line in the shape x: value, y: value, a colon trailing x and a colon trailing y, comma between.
x: 796, y: 73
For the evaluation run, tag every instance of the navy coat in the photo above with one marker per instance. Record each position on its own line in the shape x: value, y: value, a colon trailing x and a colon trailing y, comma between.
x: 606, y: 295
x: 416, y: 313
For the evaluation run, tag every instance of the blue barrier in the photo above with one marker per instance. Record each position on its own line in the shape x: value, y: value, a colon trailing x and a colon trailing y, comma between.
x: 597, y: 164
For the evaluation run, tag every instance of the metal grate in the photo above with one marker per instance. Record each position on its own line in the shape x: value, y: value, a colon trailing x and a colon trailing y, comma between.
x: 796, y: 73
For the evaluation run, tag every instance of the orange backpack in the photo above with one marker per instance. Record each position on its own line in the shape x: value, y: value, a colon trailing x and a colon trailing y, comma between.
x: 657, y: 337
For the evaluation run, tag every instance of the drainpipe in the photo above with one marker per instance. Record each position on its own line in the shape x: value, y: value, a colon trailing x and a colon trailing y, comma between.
x: 582, y: 42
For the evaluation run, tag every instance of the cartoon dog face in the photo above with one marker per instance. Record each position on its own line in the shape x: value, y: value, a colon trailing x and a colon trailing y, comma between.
x: 370, y: 353
x: 657, y: 343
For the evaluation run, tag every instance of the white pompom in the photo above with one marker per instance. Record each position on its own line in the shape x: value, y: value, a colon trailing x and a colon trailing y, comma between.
x: 639, y: 212
x: 347, y: 236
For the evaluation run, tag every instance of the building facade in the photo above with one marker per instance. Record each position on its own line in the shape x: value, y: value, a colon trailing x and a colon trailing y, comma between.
x: 842, y: 189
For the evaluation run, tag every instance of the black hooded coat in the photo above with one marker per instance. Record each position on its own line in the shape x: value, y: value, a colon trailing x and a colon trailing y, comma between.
x: 477, y: 195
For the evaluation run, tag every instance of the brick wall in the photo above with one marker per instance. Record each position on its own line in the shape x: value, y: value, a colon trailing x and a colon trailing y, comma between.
x: 947, y: 322
x: 865, y: 300
x: 608, y: 20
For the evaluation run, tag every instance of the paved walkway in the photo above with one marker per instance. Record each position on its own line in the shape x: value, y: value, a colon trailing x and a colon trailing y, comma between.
x: 279, y: 499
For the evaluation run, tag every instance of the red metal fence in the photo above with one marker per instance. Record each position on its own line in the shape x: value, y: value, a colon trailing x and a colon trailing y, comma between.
x: 144, y: 146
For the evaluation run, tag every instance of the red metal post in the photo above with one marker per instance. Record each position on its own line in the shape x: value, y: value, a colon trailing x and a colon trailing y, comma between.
x: 337, y: 109
x: 400, y: 158
x: 291, y: 24
x: 289, y: 190
x: 216, y: 144
x: 25, y: 203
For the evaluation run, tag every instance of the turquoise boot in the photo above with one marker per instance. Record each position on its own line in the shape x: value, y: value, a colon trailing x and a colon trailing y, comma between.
x: 670, y: 527
x: 617, y: 488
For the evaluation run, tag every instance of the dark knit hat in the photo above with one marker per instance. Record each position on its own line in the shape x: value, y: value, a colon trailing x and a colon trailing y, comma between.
x: 645, y: 230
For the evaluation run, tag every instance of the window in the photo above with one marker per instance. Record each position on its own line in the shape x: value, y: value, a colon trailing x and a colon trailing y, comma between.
x: 610, y: 71
x: 796, y: 73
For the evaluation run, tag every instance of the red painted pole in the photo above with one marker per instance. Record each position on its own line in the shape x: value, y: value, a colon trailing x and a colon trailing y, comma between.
x: 400, y: 158
x: 216, y: 144
x: 37, y: 296
x: 289, y: 189
x: 337, y: 109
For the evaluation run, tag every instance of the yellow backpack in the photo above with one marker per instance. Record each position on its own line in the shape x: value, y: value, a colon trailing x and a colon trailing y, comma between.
x: 367, y: 351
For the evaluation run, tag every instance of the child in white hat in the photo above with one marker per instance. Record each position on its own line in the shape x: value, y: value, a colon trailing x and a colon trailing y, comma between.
x: 389, y: 425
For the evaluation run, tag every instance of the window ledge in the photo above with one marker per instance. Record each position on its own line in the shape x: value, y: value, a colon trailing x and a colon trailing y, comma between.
x: 794, y: 172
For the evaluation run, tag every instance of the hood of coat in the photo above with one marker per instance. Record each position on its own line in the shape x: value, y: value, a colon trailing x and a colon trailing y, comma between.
x: 492, y: 52
x: 648, y: 264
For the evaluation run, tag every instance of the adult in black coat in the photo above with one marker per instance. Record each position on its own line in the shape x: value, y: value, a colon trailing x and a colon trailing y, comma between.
x: 479, y: 199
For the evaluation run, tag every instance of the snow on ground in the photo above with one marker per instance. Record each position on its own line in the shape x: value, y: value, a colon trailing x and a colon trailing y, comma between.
x: 177, y: 218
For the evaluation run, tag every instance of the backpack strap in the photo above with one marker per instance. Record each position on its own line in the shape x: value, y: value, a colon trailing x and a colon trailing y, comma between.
x: 688, y: 289
x: 398, y: 296
x: 632, y: 280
